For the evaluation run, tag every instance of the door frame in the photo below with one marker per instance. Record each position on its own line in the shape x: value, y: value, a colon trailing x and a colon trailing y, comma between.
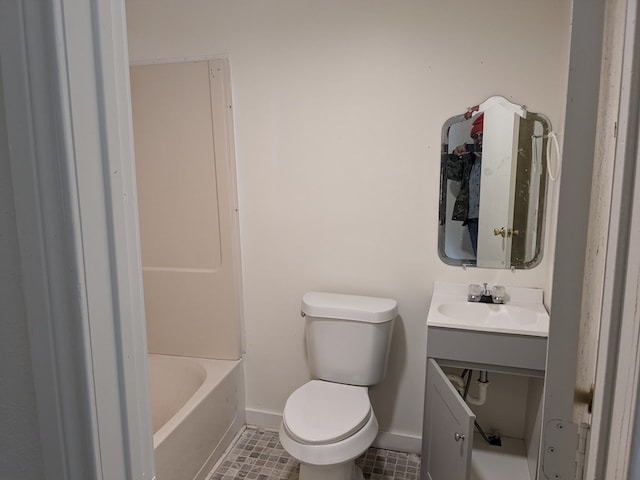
x: 587, y: 27
x: 614, y: 455
x: 614, y: 438
x: 65, y: 73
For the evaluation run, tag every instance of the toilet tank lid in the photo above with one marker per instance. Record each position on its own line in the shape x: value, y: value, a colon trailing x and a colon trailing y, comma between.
x: 349, y: 307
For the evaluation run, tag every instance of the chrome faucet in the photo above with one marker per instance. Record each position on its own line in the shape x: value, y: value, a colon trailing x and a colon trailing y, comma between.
x: 485, y: 294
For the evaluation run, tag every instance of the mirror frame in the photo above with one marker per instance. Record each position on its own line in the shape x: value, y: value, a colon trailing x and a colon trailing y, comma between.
x: 519, y: 258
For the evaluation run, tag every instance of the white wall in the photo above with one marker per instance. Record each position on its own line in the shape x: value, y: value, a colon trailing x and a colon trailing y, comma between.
x: 338, y: 109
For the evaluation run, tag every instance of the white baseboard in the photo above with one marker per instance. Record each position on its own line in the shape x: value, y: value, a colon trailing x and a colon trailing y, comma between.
x: 398, y: 442
x: 268, y: 420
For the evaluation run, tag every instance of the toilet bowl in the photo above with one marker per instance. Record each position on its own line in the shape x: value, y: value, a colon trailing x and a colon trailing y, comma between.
x: 328, y: 422
x: 325, y: 427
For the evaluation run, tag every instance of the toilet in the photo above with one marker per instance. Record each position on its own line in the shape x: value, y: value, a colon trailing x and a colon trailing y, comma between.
x: 328, y: 422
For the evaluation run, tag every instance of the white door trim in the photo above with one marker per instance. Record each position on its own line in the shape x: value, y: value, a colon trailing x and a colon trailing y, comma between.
x: 65, y: 71
x: 616, y: 387
x: 572, y: 226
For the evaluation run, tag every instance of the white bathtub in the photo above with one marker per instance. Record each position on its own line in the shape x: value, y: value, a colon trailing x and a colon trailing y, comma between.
x: 197, y: 409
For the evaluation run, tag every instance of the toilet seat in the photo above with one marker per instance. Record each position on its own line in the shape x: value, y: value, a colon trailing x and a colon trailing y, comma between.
x: 322, y: 412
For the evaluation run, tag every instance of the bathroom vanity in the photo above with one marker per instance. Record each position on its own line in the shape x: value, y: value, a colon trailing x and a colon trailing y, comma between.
x: 509, y: 341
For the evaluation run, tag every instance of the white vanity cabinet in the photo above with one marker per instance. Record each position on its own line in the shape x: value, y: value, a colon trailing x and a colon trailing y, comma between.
x: 450, y: 449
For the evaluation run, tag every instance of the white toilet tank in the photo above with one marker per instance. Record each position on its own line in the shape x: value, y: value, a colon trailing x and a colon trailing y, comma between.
x: 348, y: 336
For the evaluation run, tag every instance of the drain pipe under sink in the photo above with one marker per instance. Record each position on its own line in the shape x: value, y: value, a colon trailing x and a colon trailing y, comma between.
x: 482, y: 382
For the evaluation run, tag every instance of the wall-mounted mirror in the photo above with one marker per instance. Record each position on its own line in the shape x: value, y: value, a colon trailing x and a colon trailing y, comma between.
x: 493, y: 178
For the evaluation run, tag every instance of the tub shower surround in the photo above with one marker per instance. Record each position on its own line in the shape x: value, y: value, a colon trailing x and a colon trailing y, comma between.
x: 257, y: 454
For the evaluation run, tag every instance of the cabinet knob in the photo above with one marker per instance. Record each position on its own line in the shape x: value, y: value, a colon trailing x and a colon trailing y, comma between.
x: 459, y: 436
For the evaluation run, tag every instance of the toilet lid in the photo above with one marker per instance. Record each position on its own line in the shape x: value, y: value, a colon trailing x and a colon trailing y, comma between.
x: 325, y: 412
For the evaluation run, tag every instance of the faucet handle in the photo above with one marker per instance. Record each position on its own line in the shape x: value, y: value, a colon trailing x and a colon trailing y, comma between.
x: 497, y: 294
x: 474, y: 293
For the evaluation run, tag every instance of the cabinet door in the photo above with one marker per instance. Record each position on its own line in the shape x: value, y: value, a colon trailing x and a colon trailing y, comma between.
x: 448, y: 429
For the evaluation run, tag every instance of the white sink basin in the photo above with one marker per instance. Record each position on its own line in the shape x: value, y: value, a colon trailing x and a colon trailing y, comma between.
x: 523, y: 314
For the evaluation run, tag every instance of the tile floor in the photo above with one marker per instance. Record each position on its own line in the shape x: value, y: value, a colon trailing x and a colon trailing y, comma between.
x: 257, y: 454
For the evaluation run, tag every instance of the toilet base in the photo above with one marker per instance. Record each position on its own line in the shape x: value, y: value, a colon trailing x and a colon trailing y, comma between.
x: 341, y: 471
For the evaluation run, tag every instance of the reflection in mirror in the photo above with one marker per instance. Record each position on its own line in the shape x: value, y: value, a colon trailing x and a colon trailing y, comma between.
x: 493, y: 186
